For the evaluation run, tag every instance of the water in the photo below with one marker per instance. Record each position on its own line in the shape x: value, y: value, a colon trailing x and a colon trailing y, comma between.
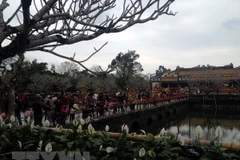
x: 230, y: 127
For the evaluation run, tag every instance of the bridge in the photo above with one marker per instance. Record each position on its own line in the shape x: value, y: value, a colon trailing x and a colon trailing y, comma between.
x: 119, y: 109
x: 116, y: 111
x: 142, y: 114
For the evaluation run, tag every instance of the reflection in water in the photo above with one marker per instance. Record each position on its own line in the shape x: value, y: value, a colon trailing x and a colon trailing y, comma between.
x: 187, y: 128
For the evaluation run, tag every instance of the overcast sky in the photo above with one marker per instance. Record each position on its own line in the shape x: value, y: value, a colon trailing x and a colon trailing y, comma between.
x: 203, y: 32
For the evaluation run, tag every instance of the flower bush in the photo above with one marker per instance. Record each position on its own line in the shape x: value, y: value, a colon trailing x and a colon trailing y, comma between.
x: 102, y: 146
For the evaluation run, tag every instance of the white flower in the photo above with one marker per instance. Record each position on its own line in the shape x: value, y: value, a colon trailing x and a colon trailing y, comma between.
x: 70, y: 154
x: 91, y: 130
x: 28, y: 120
x: 32, y: 126
x: 79, y: 128
x: 100, y: 148
x: 3, y: 124
x: 75, y: 122
x: 237, y: 137
x: 106, y: 128
x: 125, y: 128
x: 1, y: 119
x: 48, y: 147
x: 82, y: 122
x: 90, y: 126
x: 234, y: 141
x: 180, y: 139
x: 143, y: 131
x: 20, y: 144
x: 218, y: 132
x: 199, y: 131
x: 46, y: 123
x: 60, y: 128
x: 12, y: 118
x: 8, y: 67
x: 9, y: 125
x: 40, y: 144
x: 109, y: 149
x: 122, y: 127
x: 162, y: 132
x: 142, y: 152
x: 88, y: 119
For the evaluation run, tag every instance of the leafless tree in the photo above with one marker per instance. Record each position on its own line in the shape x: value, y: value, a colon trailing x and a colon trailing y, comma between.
x: 138, y: 82
x: 68, y: 67
x: 54, y: 23
x: 107, y: 83
x: 48, y: 24
x: 62, y: 83
x: 40, y: 83
x: 45, y: 83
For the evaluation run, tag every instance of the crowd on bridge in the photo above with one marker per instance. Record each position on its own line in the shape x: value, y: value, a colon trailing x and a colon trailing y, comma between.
x: 56, y: 107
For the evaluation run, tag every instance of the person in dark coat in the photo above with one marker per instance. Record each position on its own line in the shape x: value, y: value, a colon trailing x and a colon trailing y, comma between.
x: 101, y: 103
x: 38, y: 106
x: 5, y: 104
x: 72, y: 109
x: 107, y: 98
x: 18, y: 110
x: 90, y: 104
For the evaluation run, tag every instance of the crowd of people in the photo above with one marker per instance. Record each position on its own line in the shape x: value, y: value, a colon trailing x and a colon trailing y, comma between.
x: 58, y: 107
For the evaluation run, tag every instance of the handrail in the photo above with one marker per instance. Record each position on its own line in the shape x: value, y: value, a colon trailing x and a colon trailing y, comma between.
x: 141, y: 138
x: 119, y: 109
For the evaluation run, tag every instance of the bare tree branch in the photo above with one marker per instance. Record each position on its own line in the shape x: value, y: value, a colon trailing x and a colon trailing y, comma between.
x: 13, y: 15
x: 64, y: 22
x: 96, y: 50
x: 3, y: 35
x: 72, y: 58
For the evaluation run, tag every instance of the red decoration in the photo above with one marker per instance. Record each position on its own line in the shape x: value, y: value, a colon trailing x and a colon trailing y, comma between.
x: 4, y: 116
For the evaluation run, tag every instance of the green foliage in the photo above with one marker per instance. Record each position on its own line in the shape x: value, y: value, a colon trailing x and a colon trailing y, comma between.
x: 102, y: 146
x: 126, y: 66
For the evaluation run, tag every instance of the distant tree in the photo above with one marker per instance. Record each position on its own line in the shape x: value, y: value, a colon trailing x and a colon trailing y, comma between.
x: 28, y: 70
x: 36, y: 67
x: 161, y: 70
x: 126, y: 66
x: 48, y: 83
x: 68, y: 68
x: 104, y: 82
x: 62, y: 83
x: 40, y: 83
x: 53, y: 68
x: 97, y: 68
x: 138, y: 82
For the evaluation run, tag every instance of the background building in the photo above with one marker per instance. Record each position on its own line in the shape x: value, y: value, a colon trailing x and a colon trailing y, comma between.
x: 222, y: 78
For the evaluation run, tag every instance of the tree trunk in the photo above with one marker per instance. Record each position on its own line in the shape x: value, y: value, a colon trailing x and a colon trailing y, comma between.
x: 11, y: 101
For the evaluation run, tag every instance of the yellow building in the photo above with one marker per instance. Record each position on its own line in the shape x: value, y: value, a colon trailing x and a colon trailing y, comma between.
x: 183, y: 77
